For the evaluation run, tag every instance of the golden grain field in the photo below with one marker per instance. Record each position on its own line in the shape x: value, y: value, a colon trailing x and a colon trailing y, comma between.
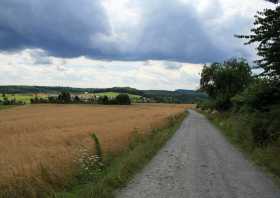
x: 50, y: 137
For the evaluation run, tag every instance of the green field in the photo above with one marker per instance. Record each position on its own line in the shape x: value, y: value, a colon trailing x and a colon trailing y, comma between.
x: 22, y: 97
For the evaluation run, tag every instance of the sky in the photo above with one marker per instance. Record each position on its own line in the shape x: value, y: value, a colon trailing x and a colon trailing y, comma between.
x: 145, y: 44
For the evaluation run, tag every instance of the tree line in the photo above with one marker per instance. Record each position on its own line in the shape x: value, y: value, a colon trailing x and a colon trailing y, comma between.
x: 162, y: 96
x: 236, y: 87
x: 67, y: 98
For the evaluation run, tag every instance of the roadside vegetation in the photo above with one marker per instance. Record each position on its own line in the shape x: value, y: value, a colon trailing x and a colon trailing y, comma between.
x: 105, y: 176
x: 244, y: 104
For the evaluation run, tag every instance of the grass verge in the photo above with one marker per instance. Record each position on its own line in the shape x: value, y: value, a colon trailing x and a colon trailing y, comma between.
x: 237, y: 129
x: 117, y: 170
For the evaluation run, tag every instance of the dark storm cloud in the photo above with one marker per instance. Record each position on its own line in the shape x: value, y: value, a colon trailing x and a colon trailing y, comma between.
x: 63, y: 28
x: 173, y: 31
x: 168, y: 30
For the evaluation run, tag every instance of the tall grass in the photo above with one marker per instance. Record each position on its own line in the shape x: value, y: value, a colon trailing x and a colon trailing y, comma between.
x: 98, y: 150
x: 118, y: 169
x: 31, y: 187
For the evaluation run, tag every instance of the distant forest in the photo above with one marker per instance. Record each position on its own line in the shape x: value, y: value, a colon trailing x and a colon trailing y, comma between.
x: 178, y: 96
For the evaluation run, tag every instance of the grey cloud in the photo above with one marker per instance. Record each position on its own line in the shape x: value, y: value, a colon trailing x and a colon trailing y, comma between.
x: 40, y: 57
x: 173, y: 65
x: 169, y: 30
x: 172, y: 31
x: 60, y: 68
x: 63, y: 28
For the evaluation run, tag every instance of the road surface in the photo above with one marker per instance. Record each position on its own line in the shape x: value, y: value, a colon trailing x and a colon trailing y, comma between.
x: 199, y: 163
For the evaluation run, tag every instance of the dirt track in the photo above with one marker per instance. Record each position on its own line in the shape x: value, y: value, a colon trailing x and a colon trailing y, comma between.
x: 199, y: 163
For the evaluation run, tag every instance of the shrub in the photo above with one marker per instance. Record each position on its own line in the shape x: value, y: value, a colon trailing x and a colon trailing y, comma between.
x: 123, y: 99
x: 103, y: 100
x: 206, y: 105
x: 52, y: 99
x: 91, y: 164
x: 260, y: 95
x: 13, y: 101
x: 97, y: 146
x: 77, y: 99
x: 266, y: 127
x: 37, y: 100
x: 64, y: 97
x: 113, y: 101
x: 261, y: 136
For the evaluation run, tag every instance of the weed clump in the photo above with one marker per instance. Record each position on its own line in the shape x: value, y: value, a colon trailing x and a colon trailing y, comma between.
x: 91, y: 164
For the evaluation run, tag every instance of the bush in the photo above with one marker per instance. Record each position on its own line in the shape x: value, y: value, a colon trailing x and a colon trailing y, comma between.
x: 52, y: 99
x: 6, y: 101
x: 260, y: 95
x: 77, y: 99
x: 206, y: 105
x: 266, y: 127
x: 37, y: 100
x: 64, y: 97
x: 103, y: 100
x: 98, y: 149
x: 123, y: 99
x: 261, y: 136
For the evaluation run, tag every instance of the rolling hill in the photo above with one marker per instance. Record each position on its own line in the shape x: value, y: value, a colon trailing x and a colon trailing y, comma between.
x: 164, y: 96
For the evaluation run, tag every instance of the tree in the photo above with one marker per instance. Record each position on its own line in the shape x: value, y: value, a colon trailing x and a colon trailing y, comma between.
x: 123, y: 99
x: 77, y: 99
x: 223, y: 81
x: 266, y: 34
x: 261, y: 95
x: 103, y: 100
x: 64, y: 97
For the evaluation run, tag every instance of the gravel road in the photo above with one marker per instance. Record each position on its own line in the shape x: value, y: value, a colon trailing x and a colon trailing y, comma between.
x: 199, y: 163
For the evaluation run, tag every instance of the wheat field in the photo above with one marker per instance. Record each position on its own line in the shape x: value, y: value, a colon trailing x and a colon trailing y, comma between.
x: 39, y: 141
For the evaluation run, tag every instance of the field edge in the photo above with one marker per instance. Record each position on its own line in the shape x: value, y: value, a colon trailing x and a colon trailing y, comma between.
x: 120, y: 168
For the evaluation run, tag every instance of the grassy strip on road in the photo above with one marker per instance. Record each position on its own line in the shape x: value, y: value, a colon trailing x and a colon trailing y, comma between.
x: 237, y: 129
x: 118, y: 169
